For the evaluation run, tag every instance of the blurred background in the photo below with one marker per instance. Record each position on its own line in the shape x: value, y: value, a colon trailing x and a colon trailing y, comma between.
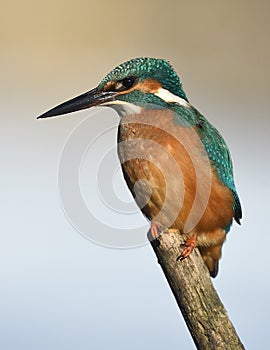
x: 59, y: 290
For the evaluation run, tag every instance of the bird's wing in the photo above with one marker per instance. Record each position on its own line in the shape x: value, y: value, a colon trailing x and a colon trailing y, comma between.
x: 216, y: 148
x: 220, y: 158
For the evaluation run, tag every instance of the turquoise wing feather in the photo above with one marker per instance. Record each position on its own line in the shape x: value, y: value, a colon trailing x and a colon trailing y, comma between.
x: 220, y: 157
x: 216, y: 149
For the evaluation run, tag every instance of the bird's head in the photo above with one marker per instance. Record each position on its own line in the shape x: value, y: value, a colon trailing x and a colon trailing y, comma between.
x: 137, y: 82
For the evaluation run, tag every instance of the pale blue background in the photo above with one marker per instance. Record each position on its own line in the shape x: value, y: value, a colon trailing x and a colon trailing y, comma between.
x: 59, y: 290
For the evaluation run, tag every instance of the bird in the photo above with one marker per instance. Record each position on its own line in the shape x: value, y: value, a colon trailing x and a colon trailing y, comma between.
x: 175, y: 162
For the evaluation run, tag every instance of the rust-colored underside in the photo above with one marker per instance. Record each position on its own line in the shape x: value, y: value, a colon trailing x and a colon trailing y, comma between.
x: 175, y: 185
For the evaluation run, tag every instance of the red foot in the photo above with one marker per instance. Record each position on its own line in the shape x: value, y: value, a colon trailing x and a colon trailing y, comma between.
x: 155, y: 230
x: 189, y: 245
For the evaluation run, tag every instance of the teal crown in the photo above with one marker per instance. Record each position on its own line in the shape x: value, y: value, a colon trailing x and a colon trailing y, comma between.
x: 148, y: 68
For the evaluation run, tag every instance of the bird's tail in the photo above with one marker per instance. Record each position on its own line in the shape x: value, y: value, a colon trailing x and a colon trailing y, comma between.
x: 211, y: 258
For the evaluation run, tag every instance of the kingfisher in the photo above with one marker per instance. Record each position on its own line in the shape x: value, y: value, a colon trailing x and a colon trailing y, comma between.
x: 176, y: 164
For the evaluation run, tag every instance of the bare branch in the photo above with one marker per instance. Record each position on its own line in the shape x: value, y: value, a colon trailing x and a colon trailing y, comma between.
x: 203, y: 311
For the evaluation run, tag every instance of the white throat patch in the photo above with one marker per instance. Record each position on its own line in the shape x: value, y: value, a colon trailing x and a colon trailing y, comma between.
x: 168, y: 97
x: 123, y: 108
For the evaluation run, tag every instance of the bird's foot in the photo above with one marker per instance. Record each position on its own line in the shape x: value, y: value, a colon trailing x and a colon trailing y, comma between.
x: 155, y: 230
x: 188, y: 246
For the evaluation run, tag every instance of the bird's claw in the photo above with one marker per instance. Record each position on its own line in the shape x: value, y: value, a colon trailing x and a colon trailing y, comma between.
x: 188, y: 246
x: 155, y: 230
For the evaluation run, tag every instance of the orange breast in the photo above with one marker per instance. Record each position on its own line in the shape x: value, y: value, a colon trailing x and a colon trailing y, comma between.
x: 169, y: 174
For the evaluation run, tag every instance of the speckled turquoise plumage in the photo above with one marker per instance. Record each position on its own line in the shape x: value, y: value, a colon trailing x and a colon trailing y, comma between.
x: 219, y: 155
x: 161, y: 71
x: 148, y: 68
x: 215, y: 147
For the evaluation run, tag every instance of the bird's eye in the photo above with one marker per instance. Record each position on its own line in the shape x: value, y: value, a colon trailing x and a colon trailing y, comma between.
x: 128, y: 82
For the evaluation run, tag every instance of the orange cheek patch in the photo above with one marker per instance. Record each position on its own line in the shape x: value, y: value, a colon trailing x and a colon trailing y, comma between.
x: 147, y: 86
x: 110, y: 86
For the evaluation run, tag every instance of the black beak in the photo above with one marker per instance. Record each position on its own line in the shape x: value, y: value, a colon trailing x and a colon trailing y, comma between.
x: 89, y: 99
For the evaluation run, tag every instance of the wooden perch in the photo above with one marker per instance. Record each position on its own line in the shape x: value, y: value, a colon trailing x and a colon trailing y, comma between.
x: 203, y: 311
